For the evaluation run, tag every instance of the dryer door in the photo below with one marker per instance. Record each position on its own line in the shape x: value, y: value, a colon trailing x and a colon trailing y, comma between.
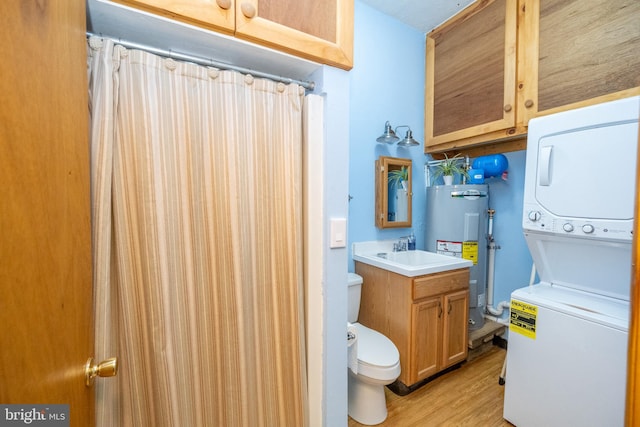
x: 583, y: 173
x: 580, y: 171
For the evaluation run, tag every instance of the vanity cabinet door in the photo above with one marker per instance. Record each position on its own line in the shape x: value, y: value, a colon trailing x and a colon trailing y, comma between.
x: 455, y: 328
x: 426, y: 330
x: 470, y: 85
x: 577, y: 53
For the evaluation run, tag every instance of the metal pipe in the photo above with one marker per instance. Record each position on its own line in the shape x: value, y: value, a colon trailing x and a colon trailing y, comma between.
x: 492, y: 247
x: 207, y: 62
x: 491, y: 260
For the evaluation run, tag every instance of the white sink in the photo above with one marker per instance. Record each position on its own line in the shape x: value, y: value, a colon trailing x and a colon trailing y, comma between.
x: 408, y: 263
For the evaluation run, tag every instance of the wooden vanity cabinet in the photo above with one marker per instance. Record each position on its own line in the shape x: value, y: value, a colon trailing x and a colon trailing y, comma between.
x: 426, y: 317
x: 499, y: 63
x: 320, y: 31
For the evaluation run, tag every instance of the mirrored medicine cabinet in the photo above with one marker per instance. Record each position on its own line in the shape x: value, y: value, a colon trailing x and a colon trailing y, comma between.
x: 393, y: 192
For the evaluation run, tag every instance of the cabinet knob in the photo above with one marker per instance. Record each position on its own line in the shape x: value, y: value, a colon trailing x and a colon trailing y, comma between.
x: 248, y: 9
x: 528, y: 103
x: 507, y: 108
x: 223, y: 4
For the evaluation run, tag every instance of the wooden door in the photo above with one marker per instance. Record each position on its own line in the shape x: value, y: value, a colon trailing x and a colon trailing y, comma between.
x: 425, y: 339
x: 45, y: 244
x: 632, y: 415
x: 455, y: 326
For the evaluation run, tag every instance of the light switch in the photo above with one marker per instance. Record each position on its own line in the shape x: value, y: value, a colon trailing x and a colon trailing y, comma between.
x: 338, y: 232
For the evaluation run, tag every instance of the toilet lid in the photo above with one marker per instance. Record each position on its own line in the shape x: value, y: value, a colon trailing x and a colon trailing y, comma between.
x: 375, y: 349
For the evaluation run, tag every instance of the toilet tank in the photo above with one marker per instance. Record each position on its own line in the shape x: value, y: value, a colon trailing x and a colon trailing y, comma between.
x: 353, y: 298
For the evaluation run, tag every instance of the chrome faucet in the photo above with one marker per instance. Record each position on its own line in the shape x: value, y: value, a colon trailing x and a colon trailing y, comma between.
x: 401, y: 245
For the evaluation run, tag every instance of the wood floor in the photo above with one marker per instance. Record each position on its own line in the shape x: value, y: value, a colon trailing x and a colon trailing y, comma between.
x: 468, y: 396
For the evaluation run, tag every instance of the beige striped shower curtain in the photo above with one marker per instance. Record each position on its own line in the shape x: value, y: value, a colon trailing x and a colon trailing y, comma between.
x: 197, y: 222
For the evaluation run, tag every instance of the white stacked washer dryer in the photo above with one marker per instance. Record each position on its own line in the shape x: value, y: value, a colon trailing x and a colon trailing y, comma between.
x: 567, y: 350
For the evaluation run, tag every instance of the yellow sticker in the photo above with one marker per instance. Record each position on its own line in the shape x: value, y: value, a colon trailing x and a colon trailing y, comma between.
x: 523, y: 318
x: 470, y: 251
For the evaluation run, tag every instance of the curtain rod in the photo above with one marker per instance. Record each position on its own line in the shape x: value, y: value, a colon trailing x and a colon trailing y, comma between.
x: 207, y: 62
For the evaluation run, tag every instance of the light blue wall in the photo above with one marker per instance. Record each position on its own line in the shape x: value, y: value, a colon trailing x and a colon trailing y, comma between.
x: 333, y: 85
x: 387, y: 83
x: 512, y: 261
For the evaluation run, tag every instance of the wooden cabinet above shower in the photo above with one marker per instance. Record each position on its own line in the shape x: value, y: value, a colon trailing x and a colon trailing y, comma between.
x: 319, y: 31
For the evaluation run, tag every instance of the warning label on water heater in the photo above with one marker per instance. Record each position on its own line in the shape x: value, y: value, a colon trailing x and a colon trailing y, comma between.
x: 470, y: 251
x: 466, y: 250
x: 446, y: 247
x: 523, y: 318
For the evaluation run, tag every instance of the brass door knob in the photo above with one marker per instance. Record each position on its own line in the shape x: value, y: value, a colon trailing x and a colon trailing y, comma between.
x: 106, y: 368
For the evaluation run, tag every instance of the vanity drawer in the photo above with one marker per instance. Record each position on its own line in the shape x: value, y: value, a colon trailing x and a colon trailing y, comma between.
x: 440, y: 283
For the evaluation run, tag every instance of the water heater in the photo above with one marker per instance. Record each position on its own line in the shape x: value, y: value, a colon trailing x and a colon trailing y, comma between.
x: 457, y: 221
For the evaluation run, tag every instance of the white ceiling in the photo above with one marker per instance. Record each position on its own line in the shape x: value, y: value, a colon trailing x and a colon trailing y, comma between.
x: 424, y: 15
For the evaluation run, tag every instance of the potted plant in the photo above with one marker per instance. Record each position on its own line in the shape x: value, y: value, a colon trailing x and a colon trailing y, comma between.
x: 449, y: 167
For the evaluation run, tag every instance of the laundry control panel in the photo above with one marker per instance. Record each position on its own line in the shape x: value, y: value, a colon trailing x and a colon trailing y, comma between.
x: 536, y: 218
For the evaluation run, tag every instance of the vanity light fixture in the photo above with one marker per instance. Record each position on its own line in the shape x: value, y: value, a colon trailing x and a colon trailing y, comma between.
x: 408, y: 140
x: 389, y: 136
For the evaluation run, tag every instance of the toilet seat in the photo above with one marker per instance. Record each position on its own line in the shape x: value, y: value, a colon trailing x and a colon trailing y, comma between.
x: 378, y: 357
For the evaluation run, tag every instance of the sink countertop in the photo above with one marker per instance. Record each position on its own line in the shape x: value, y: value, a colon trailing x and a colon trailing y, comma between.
x: 378, y: 254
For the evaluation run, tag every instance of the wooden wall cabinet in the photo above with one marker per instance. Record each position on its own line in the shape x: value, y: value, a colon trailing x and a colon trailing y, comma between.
x: 500, y: 63
x: 426, y: 317
x: 393, y: 199
x: 471, y: 75
x: 320, y: 31
x: 577, y: 53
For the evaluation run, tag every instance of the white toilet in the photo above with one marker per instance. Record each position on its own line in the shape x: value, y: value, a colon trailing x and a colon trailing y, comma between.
x: 378, y: 365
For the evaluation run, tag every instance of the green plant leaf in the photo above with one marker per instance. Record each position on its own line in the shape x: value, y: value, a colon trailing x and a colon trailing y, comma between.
x: 450, y: 166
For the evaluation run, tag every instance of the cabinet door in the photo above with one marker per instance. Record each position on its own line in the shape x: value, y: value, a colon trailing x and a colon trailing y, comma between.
x: 578, y: 52
x: 319, y: 30
x: 393, y: 192
x: 454, y: 336
x: 214, y: 14
x: 471, y: 74
x: 426, y: 332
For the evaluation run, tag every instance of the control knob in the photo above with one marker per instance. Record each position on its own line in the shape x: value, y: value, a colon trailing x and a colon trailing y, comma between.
x: 568, y: 227
x: 588, y: 228
x: 534, y: 216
